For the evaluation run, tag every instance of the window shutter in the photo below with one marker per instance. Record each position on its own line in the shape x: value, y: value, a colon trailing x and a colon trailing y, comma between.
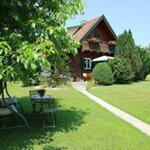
x: 82, y: 64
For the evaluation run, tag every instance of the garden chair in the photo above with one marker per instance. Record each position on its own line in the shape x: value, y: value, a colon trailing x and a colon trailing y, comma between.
x: 32, y: 94
x: 47, y: 107
x: 49, y: 114
x: 7, y: 110
x: 13, y: 101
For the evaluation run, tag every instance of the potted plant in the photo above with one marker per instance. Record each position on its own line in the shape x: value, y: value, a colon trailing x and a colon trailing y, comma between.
x: 112, y: 43
x: 93, y: 40
x: 41, y: 92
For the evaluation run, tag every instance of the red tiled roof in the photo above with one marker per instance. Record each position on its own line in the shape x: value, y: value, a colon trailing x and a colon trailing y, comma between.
x: 73, y: 30
x: 85, y: 28
x: 82, y: 30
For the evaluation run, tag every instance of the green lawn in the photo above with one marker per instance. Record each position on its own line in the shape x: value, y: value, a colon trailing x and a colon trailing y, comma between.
x: 133, y: 98
x: 82, y: 125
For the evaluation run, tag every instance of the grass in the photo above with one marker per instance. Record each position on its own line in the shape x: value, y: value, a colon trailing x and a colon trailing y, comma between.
x: 81, y: 125
x: 133, y: 98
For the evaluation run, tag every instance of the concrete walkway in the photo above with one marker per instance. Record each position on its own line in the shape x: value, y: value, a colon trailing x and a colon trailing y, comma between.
x: 144, y: 127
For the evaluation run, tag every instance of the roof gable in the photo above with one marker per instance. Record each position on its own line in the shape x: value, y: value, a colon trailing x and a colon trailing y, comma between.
x: 89, y: 26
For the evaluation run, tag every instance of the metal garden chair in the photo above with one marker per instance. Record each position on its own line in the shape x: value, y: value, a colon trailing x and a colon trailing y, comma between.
x: 8, y: 109
x: 46, y: 108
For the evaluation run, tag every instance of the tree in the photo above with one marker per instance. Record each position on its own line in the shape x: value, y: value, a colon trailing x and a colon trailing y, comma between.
x: 121, y: 70
x: 145, y: 58
x: 126, y: 48
x: 32, y: 32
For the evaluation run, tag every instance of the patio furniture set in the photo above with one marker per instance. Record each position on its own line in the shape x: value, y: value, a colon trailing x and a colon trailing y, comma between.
x: 43, y: 107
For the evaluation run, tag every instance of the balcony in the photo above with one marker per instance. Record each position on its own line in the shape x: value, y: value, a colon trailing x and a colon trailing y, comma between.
x: 102, y: 46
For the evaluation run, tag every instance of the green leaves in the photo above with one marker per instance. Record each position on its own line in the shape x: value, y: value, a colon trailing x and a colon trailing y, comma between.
x: 126, y: 48
x: 103, y: 74
x: 33, y: 35
x: 4, y: 48
x: 33, y: 66
x: 1, y: 76
x: 15, y: 17
x: 33, y: 25
x: 121, y: 70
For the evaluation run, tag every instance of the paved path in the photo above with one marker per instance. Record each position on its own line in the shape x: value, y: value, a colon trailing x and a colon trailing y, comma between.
x: 144, y: 127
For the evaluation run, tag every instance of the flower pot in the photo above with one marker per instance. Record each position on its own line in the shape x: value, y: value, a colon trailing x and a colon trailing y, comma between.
x: 41, y: 92
x: 94, y: 40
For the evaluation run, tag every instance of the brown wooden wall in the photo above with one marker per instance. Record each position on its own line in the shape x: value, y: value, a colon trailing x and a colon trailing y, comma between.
x: 103, y: 30
x: 75, y: 63
x: 105, y: 35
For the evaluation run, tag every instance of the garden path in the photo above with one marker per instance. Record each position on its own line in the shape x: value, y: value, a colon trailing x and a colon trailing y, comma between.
x: 144, y: 127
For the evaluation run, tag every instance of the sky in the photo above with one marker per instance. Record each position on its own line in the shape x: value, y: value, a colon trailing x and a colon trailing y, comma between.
x: 122, y: 15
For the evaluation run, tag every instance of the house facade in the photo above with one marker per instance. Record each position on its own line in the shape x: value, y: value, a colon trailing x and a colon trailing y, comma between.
x: 97, y: 38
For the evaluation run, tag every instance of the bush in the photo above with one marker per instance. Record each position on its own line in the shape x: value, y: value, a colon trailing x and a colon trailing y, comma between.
x: 29, y: 78
x: 121, y: 70
x: 103, y: 74
x: 56, y: 79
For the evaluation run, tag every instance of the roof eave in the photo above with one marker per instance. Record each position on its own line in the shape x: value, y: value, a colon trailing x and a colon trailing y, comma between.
x: 110, y: 28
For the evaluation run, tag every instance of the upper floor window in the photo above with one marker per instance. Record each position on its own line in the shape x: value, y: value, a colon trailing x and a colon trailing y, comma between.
x: 95, y: 35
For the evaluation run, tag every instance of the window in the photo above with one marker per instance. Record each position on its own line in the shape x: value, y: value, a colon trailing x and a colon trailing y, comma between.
x: 87, y: 63
x: 96, y: 35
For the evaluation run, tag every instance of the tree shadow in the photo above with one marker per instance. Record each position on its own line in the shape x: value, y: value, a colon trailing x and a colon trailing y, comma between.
x: 70, y: 119
x: 54, y: 148
x: 16, y: 139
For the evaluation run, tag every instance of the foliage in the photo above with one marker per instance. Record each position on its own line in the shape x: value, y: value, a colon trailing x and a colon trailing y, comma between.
x: 60, y: 72
x: 29, y: 77
x: 126, y: 48
x: 103, y: 74
x: 32, y: 32
x: 121, y: 70
x: 145, y: 58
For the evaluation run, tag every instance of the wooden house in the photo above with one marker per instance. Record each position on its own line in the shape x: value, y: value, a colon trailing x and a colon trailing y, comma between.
x: 97, y: 38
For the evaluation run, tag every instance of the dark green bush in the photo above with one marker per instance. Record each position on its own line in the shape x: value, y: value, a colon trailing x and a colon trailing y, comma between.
x: 103, y: 74
x: 121, y: 70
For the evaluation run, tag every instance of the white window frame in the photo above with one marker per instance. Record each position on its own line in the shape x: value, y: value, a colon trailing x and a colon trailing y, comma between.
x: 87, y: 62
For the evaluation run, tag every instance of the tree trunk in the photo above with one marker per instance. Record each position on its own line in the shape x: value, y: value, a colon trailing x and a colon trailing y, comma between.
x: 5, y: 85
x: 3, y: 89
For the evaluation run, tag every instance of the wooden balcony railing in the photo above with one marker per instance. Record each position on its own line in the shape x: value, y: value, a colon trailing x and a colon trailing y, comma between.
x: 98, y: 47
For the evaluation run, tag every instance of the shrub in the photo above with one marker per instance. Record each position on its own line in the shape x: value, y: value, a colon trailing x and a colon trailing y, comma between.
x: 121, y: 70
x: 103, y: 74
x: 29, y: 78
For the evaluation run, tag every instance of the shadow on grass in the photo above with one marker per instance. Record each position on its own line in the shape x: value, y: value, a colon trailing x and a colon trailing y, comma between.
x: 17, y: 139
x: 54, y: 148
